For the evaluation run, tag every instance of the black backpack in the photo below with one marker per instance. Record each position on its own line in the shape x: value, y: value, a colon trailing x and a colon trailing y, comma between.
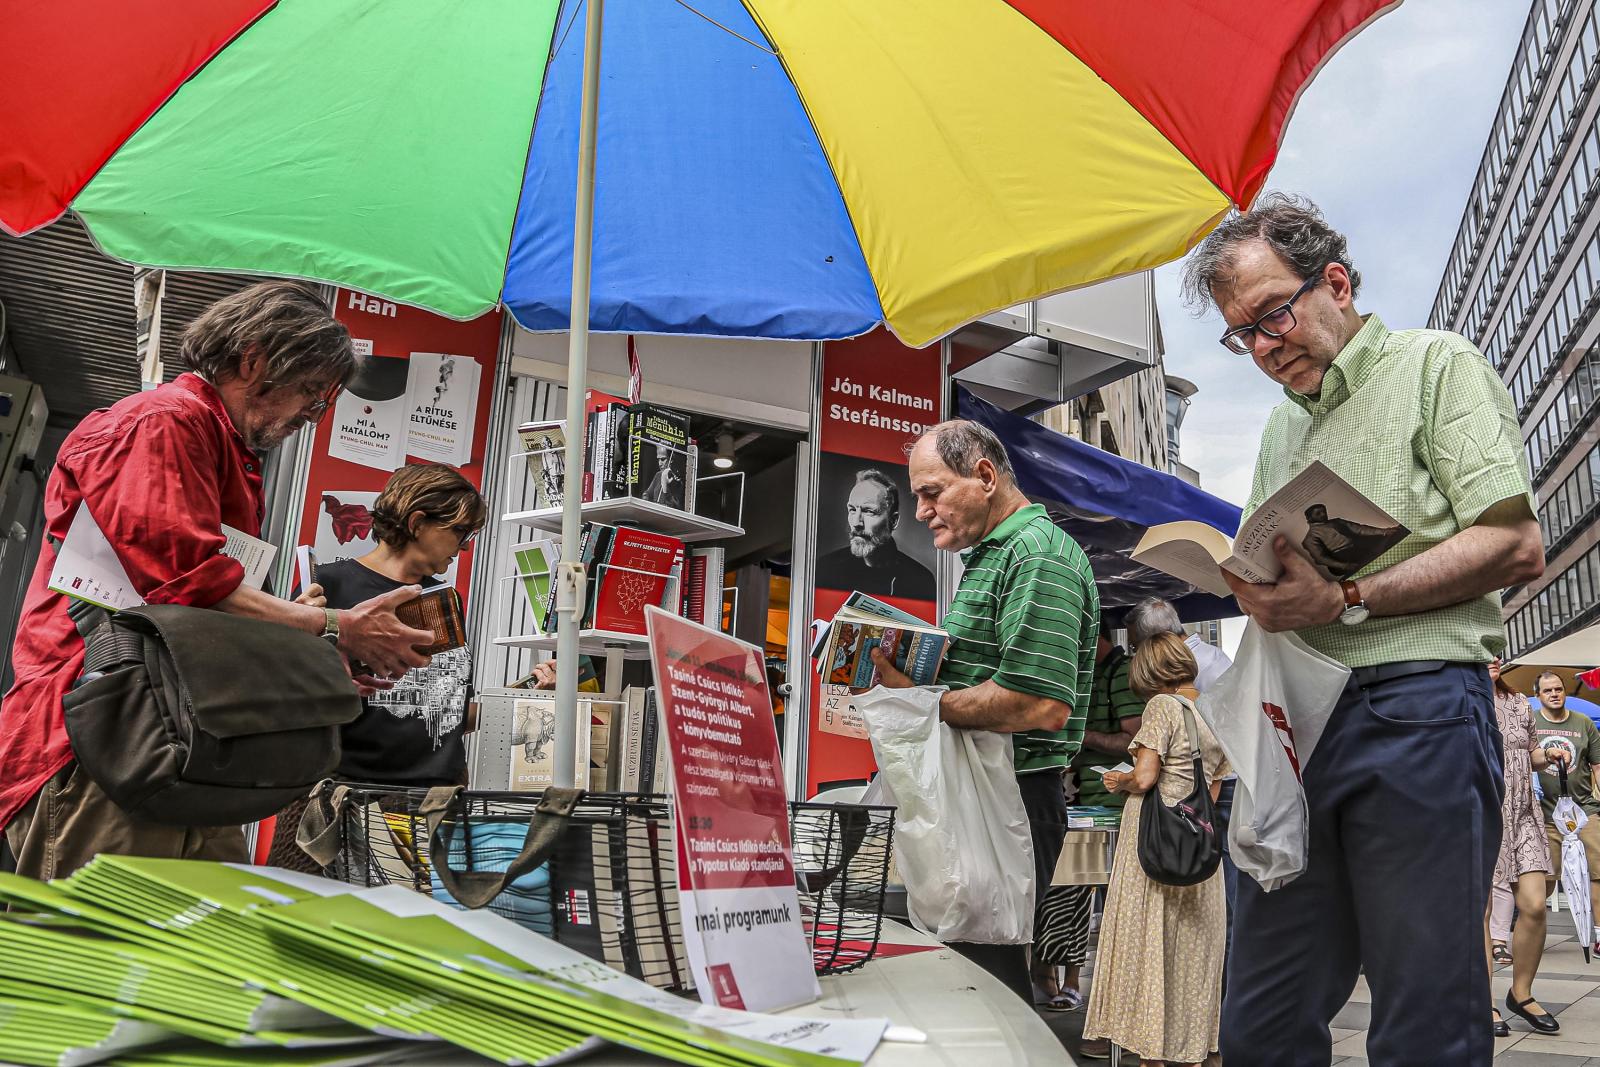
x: 1181, y: 845
x: 196, y: 717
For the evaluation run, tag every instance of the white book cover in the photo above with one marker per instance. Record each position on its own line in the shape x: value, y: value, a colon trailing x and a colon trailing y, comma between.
x: 441, y: 407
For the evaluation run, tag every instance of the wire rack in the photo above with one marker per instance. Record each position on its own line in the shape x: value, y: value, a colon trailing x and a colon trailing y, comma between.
x: 609, y: 889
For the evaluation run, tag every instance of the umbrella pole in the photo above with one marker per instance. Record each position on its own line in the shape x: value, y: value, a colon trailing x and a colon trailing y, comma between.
x: 570, y: 592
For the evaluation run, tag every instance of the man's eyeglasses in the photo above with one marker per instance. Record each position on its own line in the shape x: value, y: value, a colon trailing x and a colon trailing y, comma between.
x: 316, y: 398
x: 1275, y: 323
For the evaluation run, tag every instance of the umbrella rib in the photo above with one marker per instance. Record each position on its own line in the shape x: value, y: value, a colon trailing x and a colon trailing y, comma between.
x: 730, y: 32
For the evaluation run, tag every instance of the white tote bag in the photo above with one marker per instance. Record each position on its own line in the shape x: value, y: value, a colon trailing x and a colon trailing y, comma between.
x: 961, y: 837
x: 1268, y: 711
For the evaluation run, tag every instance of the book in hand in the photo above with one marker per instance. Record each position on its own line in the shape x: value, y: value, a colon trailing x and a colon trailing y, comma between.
x: 439, y: 610
x: 916, y: 650
x: 1325, y: 518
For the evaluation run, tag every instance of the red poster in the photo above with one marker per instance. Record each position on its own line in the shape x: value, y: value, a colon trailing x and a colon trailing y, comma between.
x: 422, y: 393
x: 878, y: 397
x: 736, y: 881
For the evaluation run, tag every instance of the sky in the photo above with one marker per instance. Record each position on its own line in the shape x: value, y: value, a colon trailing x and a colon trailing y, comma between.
x: 1387, y: 141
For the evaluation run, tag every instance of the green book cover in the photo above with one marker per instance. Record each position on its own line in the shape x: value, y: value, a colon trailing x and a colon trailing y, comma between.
x: 536, y: 563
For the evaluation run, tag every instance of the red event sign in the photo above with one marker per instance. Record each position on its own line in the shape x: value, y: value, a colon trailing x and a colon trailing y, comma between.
x: 878, y: 396
x: 339, y: 491
x: 736, y: 880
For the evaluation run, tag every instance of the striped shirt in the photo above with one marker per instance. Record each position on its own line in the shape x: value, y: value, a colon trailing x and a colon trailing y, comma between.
x: 1111, y: 700
x: 1026, y: 615
x: 1420, y: 423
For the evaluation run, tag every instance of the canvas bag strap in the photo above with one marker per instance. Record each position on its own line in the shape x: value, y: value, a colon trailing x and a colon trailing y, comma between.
x: 474, y: 889
x: 318, y: 832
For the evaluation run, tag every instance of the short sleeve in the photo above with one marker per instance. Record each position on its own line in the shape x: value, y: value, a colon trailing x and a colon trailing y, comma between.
x: 1163, y: 720
x: 152, y: 488
x: 1040, y: 629
x: 1124, y: 702
x: 1473, y: 445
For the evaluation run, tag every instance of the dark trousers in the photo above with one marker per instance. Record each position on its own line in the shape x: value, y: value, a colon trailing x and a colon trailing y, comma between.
x: 1404, y: 798
x: 1230, y: 873
x: 1046, y: 804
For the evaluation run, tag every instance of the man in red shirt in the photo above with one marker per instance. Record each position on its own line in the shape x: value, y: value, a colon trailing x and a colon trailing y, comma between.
x: 161, y: 472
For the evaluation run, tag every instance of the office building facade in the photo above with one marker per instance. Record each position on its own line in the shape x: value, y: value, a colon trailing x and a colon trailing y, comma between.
x: 1523, y: 282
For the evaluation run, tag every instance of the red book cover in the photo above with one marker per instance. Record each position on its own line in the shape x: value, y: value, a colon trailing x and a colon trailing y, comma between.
x: 697, y: 588
x: 638, y: 564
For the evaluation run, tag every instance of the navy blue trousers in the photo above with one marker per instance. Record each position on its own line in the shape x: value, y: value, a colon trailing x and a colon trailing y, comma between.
x: 1404, y: 797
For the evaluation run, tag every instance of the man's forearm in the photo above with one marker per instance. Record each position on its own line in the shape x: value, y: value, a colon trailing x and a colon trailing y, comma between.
x: 1480, y: 559
x: 989, y: 706
x: 254, y: 604
x: 1111, y: 744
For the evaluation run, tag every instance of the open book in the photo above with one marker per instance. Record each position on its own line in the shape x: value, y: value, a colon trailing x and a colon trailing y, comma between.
x: 1334, y: 526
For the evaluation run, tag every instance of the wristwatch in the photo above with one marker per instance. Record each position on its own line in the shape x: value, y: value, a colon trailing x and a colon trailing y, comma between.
x: 330, y: 627
x: 1355, y: 609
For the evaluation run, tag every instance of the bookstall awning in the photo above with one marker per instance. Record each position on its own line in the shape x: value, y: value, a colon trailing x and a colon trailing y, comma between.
x: 1106, y: 503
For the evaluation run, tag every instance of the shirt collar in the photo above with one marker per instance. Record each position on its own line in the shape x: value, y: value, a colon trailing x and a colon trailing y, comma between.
x: 1008, y: 526
x: 208, y: 396
x: 1350, y: 369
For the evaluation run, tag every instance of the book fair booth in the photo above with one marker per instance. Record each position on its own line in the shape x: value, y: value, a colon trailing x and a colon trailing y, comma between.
x: 729, y: 496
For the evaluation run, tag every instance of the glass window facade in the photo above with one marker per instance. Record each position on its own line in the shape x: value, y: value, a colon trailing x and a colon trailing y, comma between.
x: 1521, y: 281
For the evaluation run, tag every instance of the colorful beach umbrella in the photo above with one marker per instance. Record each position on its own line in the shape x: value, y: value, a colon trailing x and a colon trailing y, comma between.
x: 768, y: 168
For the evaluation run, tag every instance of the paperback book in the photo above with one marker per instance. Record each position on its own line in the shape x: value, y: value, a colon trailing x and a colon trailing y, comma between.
x: 545, y: 444
x: 917, y: 650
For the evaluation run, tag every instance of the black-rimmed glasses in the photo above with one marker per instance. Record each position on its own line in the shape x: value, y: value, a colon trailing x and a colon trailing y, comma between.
x: 1275, y: 323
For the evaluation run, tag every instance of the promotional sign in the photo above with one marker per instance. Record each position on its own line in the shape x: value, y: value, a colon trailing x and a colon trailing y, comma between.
x: 878, y: 397
x: 421, y: 393
x: 741, y: 915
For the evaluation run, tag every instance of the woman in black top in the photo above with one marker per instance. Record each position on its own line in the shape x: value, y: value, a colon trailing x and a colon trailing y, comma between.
x: 410, y: 735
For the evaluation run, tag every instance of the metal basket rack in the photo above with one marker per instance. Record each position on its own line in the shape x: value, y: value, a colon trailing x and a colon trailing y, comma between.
x: 609, y: 889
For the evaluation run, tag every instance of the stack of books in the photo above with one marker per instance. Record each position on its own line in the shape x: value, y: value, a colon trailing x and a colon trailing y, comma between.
x: 144, y: 961
x: 642, y: 451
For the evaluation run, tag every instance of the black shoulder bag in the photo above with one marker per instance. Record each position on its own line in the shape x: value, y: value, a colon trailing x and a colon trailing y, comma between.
x: 195, y: 717
x: 1181, y: 845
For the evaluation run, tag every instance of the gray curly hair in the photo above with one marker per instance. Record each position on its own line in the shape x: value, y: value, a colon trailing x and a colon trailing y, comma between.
x: 1294, y: 228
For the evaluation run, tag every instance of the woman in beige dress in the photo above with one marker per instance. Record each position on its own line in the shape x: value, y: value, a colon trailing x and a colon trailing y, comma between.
x: 1158, y: 980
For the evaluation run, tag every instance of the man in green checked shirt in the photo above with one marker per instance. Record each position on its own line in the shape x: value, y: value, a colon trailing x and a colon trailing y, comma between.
x: 1403, y: 790
x: 1024, y: 621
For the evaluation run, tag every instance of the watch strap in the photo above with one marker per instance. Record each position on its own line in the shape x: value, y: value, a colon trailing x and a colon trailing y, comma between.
x: 1352, y: 594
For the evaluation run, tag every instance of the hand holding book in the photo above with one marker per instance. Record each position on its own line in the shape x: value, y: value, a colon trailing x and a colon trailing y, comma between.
x: 1318, y: 518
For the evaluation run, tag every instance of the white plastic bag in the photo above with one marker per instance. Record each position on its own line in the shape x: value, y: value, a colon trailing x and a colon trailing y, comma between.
x: 961, y: 838
x: 1268, y: 711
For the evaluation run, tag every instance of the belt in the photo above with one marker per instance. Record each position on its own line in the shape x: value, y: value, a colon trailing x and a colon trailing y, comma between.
x: 1365, y: 677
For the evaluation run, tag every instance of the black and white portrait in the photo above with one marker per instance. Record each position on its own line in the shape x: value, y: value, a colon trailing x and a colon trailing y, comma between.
x: 868, y: 538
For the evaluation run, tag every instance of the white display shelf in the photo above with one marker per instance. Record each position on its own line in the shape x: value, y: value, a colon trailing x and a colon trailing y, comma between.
x: 631, y: 511
x: 590, y: 643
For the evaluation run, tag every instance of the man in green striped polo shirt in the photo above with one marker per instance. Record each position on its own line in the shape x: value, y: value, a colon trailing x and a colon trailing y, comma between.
x: 1023, y: 620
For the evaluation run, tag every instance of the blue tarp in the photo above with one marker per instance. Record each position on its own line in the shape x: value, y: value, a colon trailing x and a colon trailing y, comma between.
x: 1106, y: 503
